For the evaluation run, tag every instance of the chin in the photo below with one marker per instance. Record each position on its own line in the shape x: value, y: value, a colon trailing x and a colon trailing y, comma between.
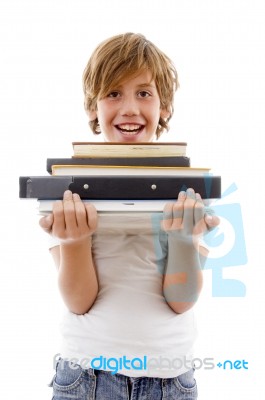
x: 139, y: 137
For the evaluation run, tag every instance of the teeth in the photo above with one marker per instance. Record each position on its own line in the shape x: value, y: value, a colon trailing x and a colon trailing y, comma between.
x: 129, y: 128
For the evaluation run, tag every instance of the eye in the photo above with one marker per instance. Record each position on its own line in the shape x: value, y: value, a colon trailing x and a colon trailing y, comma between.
x: 144, y: 93
x: 113, y: 94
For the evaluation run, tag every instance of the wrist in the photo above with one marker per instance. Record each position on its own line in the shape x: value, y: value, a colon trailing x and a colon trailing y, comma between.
x: 74, y: 244
x: 177, y: 243
x: 183, y: 255
x: 75, y: 253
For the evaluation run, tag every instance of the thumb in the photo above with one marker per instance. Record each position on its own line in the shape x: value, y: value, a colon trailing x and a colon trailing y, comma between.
x: 46, y: 223
x: 212, y: 221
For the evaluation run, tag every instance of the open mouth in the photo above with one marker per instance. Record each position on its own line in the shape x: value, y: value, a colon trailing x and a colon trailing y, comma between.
x: 130, y: 129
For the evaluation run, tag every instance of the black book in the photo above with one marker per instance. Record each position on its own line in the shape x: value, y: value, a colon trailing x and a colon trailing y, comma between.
x: 118, y: 187
x: 175, y: 161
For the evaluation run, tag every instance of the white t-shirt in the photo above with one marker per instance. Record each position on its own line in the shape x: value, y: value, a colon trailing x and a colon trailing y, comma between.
x: 130, y: 329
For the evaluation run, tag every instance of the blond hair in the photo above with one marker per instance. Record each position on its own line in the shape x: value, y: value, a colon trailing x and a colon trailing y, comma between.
x: 125, y: 56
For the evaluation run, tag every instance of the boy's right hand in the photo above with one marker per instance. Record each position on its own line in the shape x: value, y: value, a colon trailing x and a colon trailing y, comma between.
x: 72, y: 220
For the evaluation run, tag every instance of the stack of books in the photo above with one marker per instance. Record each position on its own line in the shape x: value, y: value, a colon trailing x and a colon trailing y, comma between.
x: 121, y: 177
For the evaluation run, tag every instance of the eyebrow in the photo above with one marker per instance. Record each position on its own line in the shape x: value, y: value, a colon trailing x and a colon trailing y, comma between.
x: 141, y: 85
x: 147, y: 85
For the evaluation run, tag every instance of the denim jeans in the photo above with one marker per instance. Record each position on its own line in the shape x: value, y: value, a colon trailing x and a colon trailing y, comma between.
x: 73, y: 382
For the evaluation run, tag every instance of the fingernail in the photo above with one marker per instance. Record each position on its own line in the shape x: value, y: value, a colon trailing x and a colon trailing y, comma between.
x: 182, y: 194
x: 190, y: 191
x: 67, y: 194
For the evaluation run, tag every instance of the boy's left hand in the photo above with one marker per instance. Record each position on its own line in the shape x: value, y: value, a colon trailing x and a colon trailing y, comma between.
x: 188, y: 216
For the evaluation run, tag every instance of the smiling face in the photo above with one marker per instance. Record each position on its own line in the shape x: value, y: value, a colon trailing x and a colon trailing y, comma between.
x: 131, y: 111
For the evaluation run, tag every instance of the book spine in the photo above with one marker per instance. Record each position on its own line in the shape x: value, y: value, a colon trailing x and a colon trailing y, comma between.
x: 176, y: 161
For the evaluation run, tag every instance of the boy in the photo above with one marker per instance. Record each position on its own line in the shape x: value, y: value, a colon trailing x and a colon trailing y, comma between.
x: 129, y: 291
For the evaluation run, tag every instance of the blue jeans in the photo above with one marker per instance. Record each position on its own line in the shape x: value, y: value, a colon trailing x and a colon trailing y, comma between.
x: 73, y: 382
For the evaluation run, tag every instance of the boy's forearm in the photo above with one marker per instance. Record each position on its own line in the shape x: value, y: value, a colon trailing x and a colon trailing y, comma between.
x: 183, y: 276
x: 77, y: 276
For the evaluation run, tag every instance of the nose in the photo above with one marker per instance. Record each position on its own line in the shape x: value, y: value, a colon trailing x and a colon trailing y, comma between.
x: 129, y: 106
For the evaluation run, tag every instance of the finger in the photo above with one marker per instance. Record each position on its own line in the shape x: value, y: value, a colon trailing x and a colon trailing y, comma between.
x: 199, y: 222
x: 198, y: 209
x: 69, y: 211
x: 210, y: 218
x: 212, y: 221
x: 188, y: 217
x: 178, y: 211
x: 46, y: 223
x: 167, y: 220
x: 92, y: 216
x: 80, y: 212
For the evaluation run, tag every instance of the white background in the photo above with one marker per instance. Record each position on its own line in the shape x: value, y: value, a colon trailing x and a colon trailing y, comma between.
x: 218, y: 49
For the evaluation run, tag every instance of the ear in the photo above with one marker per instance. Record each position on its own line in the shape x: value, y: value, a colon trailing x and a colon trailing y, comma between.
x: 164, y: 113
x: 92, y: 115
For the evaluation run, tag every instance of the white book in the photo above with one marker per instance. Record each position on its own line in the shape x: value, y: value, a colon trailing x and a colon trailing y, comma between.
x: 114, y: 206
